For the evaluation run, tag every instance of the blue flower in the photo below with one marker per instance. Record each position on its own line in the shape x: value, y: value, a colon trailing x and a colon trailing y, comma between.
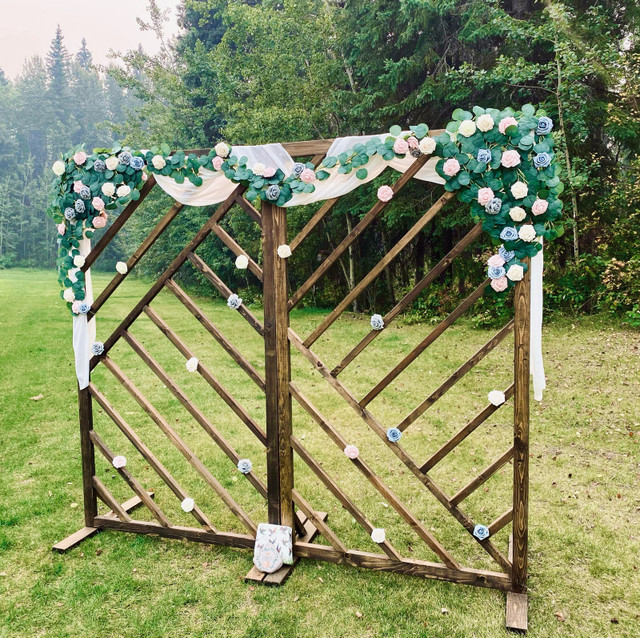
x: 79, y: 206
x: 273, y: 192
x: 69, y: 213
x: 494, y: 206
x: 507, y: 255
x: 541, y: 160
x: 509, y: 233
x: 99, y: 166
x: 245, y: 466
x: 84, y: 308
x: 377, y: 322
x: 495, y: 272
x: 298, y: 167
x: 484, y: 155
x: 393, y: 434
x: 545, y: 124
x: 481, y: 532
x: 125, y: 158
x: 137, y: 163
x: 234, y: 302
x: 97, y: 348
x: 85, y: 192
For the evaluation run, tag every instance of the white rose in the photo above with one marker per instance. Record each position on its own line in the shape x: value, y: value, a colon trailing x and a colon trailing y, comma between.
x: 187, y: 505
x: 284, y: 251
x: 58, y: 168
x: 221, y: 149
x: 427, y: 145
x: 68, y: 295
x: 242, y: 262
x: 109, y: 189
x: 517, y: 214
x: 119, y: 462
x: 519, y: 190
x: 112, y: 163
x: 467, y: 128
x: 158, y: 162
x: 192, y: 364
x: 78, y: 261
x: 123, y: 190
x: 122, y: 268
x: 378, y: 535
x: 485, y: 122
x: 258, y: 168
x: 527, y: 233
x: 496, y: 397
x: 515, y: 272
x: 73, y: 275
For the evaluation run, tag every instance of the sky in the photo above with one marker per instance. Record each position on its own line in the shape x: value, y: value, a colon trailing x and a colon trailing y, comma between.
x: 27, y: 27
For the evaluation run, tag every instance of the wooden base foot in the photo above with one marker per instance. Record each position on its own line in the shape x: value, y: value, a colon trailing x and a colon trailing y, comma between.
x: 86, y: 532
x: 279, y: 577
x: 516, y: 617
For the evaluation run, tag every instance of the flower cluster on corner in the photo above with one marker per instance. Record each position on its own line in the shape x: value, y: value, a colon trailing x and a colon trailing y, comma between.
x: 503, y: 164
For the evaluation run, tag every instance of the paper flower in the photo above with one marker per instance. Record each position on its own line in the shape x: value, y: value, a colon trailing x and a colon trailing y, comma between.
x: 413, y: 142
x: 273, y: 193
x: 515, y: 272
x: 58, y: 168
x: 539, y: 207
x: 517, y: 214
x: 97, y: 348
x: 112, y: 163
x: 70, y: 213
x: 519, y: 190
x: 485, y: 195
x: 99, y: 222
x: 284, y: 251
x: 119, y: 461
x: 122, y: 268
x: 427, y: 145
x: 109, y: 189
x: 307, y: 175
x: 495, y: 272
x: 258, y: 168
x: 527, y: 233
x: 495, y: 260
x: 75, y: 307
x: 451, y: 167
x: 378, y: 535
x: 99, y: 166
x: 377, y: 322
x: 298, y: 167
x: 507, y: 255
x: 192, y: 364
x: 68, y: 295
x: 78, y: 261
x: 351, y: 452
x: 494, y: 206
x: 541, y: 160
x: 385, y: 193
x: 393, y: 434
x: 505, y: 123
x: 485, y: 122
x: 80, y: 206
x: 245, y: 466
x: 500, y: 284
x: 158, y: 162
x: 401, y: 146
x: 222, y: 149
x: 481, y: 532
x: 123, y: 190
x: 80, y: 158
x: 545, y: 124
x: 270, y: 171
x: 77, y: 185
x: 242, y: 262
x: 467, y: 128
x: 484, y: 155
x: 509, y: 233
x: 62, y: 229
x: 98, y: 203
x: 496, y: 397
x: 137, y: 163
x: 85, y: 192
x: 510, y: 158
x: 84, y: 308
x: 217, y: 162
x: 234, y: 302
x: 187, y: 504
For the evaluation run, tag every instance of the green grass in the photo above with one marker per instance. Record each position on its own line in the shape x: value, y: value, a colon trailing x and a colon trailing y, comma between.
x: 584, y: 506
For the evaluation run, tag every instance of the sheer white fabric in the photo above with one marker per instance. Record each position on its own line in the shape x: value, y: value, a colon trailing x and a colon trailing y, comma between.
x: 535, y: 354
x: 84, y: 332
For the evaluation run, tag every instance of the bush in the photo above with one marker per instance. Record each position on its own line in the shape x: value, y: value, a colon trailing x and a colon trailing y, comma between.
x: 620, y: 293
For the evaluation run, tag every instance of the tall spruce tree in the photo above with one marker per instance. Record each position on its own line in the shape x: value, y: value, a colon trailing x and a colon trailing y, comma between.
x: 58, y: 77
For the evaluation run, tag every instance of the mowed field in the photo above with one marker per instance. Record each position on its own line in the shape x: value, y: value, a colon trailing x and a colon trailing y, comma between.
x: 584, y: 504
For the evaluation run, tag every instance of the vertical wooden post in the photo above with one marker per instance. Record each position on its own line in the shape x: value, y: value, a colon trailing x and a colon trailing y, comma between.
x: 277, y: 368
x: 522, y: 323
x: 85, y: 412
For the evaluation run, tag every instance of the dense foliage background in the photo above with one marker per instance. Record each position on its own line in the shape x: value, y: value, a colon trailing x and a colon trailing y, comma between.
x: 259, y: 71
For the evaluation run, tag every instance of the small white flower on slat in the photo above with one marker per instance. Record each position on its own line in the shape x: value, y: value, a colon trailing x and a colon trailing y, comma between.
x: 234, y: 302
x: 242, y: 262
x: 284, y: 251
x: 192, y: 364
x: 188, y: 504
x: 496, y: 397
x: 122, y: 268
x: 118, y: 462
x: 378, y: 535
x: 377, y: 322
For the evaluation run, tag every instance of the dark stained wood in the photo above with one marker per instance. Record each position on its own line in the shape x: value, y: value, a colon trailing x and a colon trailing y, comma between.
x: 236, y: 249
x: 85, y: 413
x: 319, y: 521
x: 521, y: 374
x: 412, y: 295
x: 117, y: 224
x: 425, y: 343
x: 277, y: 367
x: 516, y: 612
x: 377, y: 269
x: 313, y: 222
x: 250, y: 209
x: 109, y: 499
x: 501, y: 521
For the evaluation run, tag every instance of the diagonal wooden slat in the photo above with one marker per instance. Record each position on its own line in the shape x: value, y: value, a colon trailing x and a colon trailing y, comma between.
x: 464, y: 432
x: 501, y: 521
x: 149, y: 457
x: 313, y: 222
x: 425, y: 343
x: 377, y: 208
x: 483, y: 477
x: 110, y: 500
x: 236, y: 249
x: 412, y: 295
x: 377, y: 269
x: 456, y: 376
x: 251, y: 210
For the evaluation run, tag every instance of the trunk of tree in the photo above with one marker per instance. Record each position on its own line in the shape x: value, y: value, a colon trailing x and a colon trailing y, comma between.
x: 388, y: 274
x: 352, y: 264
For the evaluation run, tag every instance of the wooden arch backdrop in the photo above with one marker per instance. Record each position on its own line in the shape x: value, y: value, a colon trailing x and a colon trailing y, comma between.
x: 286, y: 505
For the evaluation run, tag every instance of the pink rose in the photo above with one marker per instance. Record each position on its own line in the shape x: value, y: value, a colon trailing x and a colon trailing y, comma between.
x: 506, y: 123
x: 485, y: 195
x: 499, y: 284
x: 99, y: 221
x: 540, y: 206
x: 269, y: 171
x: 97, y: 203
x: 413, y: 142
x: 75, y: 306
x: 307, y: 175
x: 217, y: 162
x: 510, y: 158
x: 451, y: 167
x: 145, y: 177
x: 62, y: 229
x: 495, y: 260
x: 351, y: 452
x: 77, y: 186
x: 385, y: 193
x: 80, y: 158
x: 401, y: 146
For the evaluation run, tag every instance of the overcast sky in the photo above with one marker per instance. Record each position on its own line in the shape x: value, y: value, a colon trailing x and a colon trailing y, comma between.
x: 27, y: 27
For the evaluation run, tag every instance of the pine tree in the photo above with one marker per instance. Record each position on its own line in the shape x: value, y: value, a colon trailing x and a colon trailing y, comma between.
x: 83, y: 56
x: 58, y: 76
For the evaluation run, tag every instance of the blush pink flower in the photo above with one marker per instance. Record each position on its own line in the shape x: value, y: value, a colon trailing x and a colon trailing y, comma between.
x: 77, y: 186
x: 540, y: 206
x: 217, y: 162
x: 99, y: 221
x: 451, y: 167
x: 495, y: 260
x: 145, y: 177
x: 62, y: 229
x: 506, y: 122
x: 307, y: 175
x: 510, y: 159
x: 97, y: 203
x: 75, y: 306
x: 269, y: 171
x: 80, y: 158
x: 385, y: 193
x: 500, y: 284
x: 351, y: 452
x: 413, y: 142
x: 401, y: 146
x: 485, y: 195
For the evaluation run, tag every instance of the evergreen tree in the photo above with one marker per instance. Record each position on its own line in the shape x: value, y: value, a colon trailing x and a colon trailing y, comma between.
x: 83, y: 56
x: 58, y: 76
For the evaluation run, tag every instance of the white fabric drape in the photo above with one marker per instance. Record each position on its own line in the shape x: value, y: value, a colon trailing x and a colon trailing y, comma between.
x: 535, y: 341
x: 84, y: 332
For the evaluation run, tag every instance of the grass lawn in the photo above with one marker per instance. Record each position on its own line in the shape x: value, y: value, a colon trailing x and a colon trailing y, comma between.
x: 585, y: 473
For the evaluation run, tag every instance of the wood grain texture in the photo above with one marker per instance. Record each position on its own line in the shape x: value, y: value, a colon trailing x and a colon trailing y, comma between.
x: 85, y: 416
x: 313, y: 222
